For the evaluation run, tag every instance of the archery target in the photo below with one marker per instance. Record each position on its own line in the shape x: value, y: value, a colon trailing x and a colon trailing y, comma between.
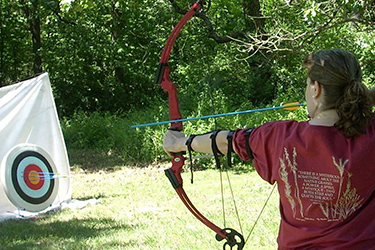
x: 28, y: 176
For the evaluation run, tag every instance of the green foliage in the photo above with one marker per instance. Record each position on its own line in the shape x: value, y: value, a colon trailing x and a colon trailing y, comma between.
x: 112, y: 50
x: 102, y: 57
x: 89, y: 130
x: 111, y: 134
x: 15, y: 44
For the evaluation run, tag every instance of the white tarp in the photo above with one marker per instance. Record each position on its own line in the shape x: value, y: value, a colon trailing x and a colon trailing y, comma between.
x: 28, y: 117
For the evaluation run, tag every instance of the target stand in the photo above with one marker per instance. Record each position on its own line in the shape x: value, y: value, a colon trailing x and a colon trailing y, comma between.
x: 28, y: 177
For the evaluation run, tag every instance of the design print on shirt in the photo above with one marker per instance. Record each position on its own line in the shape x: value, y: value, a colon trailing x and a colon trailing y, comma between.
x: 316, y: 195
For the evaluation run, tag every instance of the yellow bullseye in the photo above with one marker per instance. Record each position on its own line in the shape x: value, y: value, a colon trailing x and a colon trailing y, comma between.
x: 34, y: 177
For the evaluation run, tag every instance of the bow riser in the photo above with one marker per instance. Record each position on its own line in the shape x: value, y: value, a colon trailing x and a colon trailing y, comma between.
x: 174, y: 109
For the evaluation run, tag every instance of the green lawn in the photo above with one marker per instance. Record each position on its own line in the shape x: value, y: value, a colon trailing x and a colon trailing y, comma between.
x: 140, y: 210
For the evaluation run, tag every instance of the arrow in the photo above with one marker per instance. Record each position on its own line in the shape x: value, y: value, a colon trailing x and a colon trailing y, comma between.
x: 289, y: 106
x: 45, y: 175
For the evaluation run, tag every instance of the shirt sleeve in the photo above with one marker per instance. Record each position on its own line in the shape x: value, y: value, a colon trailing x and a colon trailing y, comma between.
x: 239, y: 144
x: 265, y: 145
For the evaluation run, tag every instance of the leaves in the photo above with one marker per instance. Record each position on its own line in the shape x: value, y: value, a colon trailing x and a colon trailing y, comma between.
x: 102, y: 56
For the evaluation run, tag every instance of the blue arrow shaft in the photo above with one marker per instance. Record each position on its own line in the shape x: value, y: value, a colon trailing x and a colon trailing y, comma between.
x: 216, y: 115
x: 46, y: 175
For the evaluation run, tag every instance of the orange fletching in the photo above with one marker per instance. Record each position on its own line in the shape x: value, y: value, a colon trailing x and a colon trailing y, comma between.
x: 291, y: 106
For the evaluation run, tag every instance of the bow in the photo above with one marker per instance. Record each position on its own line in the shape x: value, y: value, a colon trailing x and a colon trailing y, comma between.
x: 233, y: 239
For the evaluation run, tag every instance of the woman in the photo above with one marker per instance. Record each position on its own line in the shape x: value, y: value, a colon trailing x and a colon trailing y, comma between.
x: 324, y: 167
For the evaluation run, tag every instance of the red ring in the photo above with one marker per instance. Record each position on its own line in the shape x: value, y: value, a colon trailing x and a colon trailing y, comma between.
x: 33, y: 177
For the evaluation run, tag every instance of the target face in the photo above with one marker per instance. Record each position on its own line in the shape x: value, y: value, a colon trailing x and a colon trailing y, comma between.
x: 28, y: 177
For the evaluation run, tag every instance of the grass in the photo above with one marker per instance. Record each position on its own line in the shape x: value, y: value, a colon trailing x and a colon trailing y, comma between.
x: 140, y: 210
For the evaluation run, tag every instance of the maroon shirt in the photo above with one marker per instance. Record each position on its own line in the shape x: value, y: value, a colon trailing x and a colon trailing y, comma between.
x: 326, y: 183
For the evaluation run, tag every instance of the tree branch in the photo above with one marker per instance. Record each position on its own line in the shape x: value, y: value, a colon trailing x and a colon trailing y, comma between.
x: 57, y: 11
x: 280, y: 40
x: 212, y: 33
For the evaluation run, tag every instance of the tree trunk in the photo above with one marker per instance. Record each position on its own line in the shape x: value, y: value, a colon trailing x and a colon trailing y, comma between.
x: 252, y: 15
x: 34, y: 26
x: 120, y: 73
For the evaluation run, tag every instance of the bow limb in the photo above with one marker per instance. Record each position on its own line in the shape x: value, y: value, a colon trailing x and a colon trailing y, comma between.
x: 233, y: 239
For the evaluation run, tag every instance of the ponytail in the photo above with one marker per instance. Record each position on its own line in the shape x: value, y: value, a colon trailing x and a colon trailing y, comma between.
x: 354, y: 109
x: 340, y: 75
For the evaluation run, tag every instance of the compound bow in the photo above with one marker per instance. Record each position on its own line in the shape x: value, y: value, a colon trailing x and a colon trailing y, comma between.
x: 233, y: 238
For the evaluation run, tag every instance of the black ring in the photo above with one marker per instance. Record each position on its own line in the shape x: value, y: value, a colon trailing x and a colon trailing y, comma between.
x: 16, y: 185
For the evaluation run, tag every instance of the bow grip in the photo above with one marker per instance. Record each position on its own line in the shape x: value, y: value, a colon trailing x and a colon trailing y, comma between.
x: 174, y: 173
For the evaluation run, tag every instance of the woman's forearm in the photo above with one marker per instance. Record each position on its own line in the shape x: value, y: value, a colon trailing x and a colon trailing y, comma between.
x: 202, y: 143
x: 175, y: 142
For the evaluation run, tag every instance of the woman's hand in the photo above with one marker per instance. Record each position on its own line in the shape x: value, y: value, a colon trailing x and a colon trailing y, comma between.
x: 174, y: 142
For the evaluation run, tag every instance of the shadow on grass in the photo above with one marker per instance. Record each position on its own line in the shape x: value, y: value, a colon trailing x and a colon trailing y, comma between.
x: 94, y: 160
x: 71, y: 234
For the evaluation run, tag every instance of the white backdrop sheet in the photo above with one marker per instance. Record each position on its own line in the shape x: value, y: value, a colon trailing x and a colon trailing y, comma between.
x: 28, y: 115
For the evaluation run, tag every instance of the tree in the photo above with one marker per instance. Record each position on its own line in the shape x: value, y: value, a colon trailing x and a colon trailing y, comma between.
x: 102, y: 56
x: 15, y: 43
x: 31, y: 9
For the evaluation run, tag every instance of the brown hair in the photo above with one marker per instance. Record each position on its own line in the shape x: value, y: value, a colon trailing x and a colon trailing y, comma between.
x: 340, y: 75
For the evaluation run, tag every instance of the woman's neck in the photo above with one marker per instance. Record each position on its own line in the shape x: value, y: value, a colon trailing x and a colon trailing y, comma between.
x: 325, y: 118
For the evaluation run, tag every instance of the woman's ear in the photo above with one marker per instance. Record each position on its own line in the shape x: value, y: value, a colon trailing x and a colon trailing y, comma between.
x: 317, y: 89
